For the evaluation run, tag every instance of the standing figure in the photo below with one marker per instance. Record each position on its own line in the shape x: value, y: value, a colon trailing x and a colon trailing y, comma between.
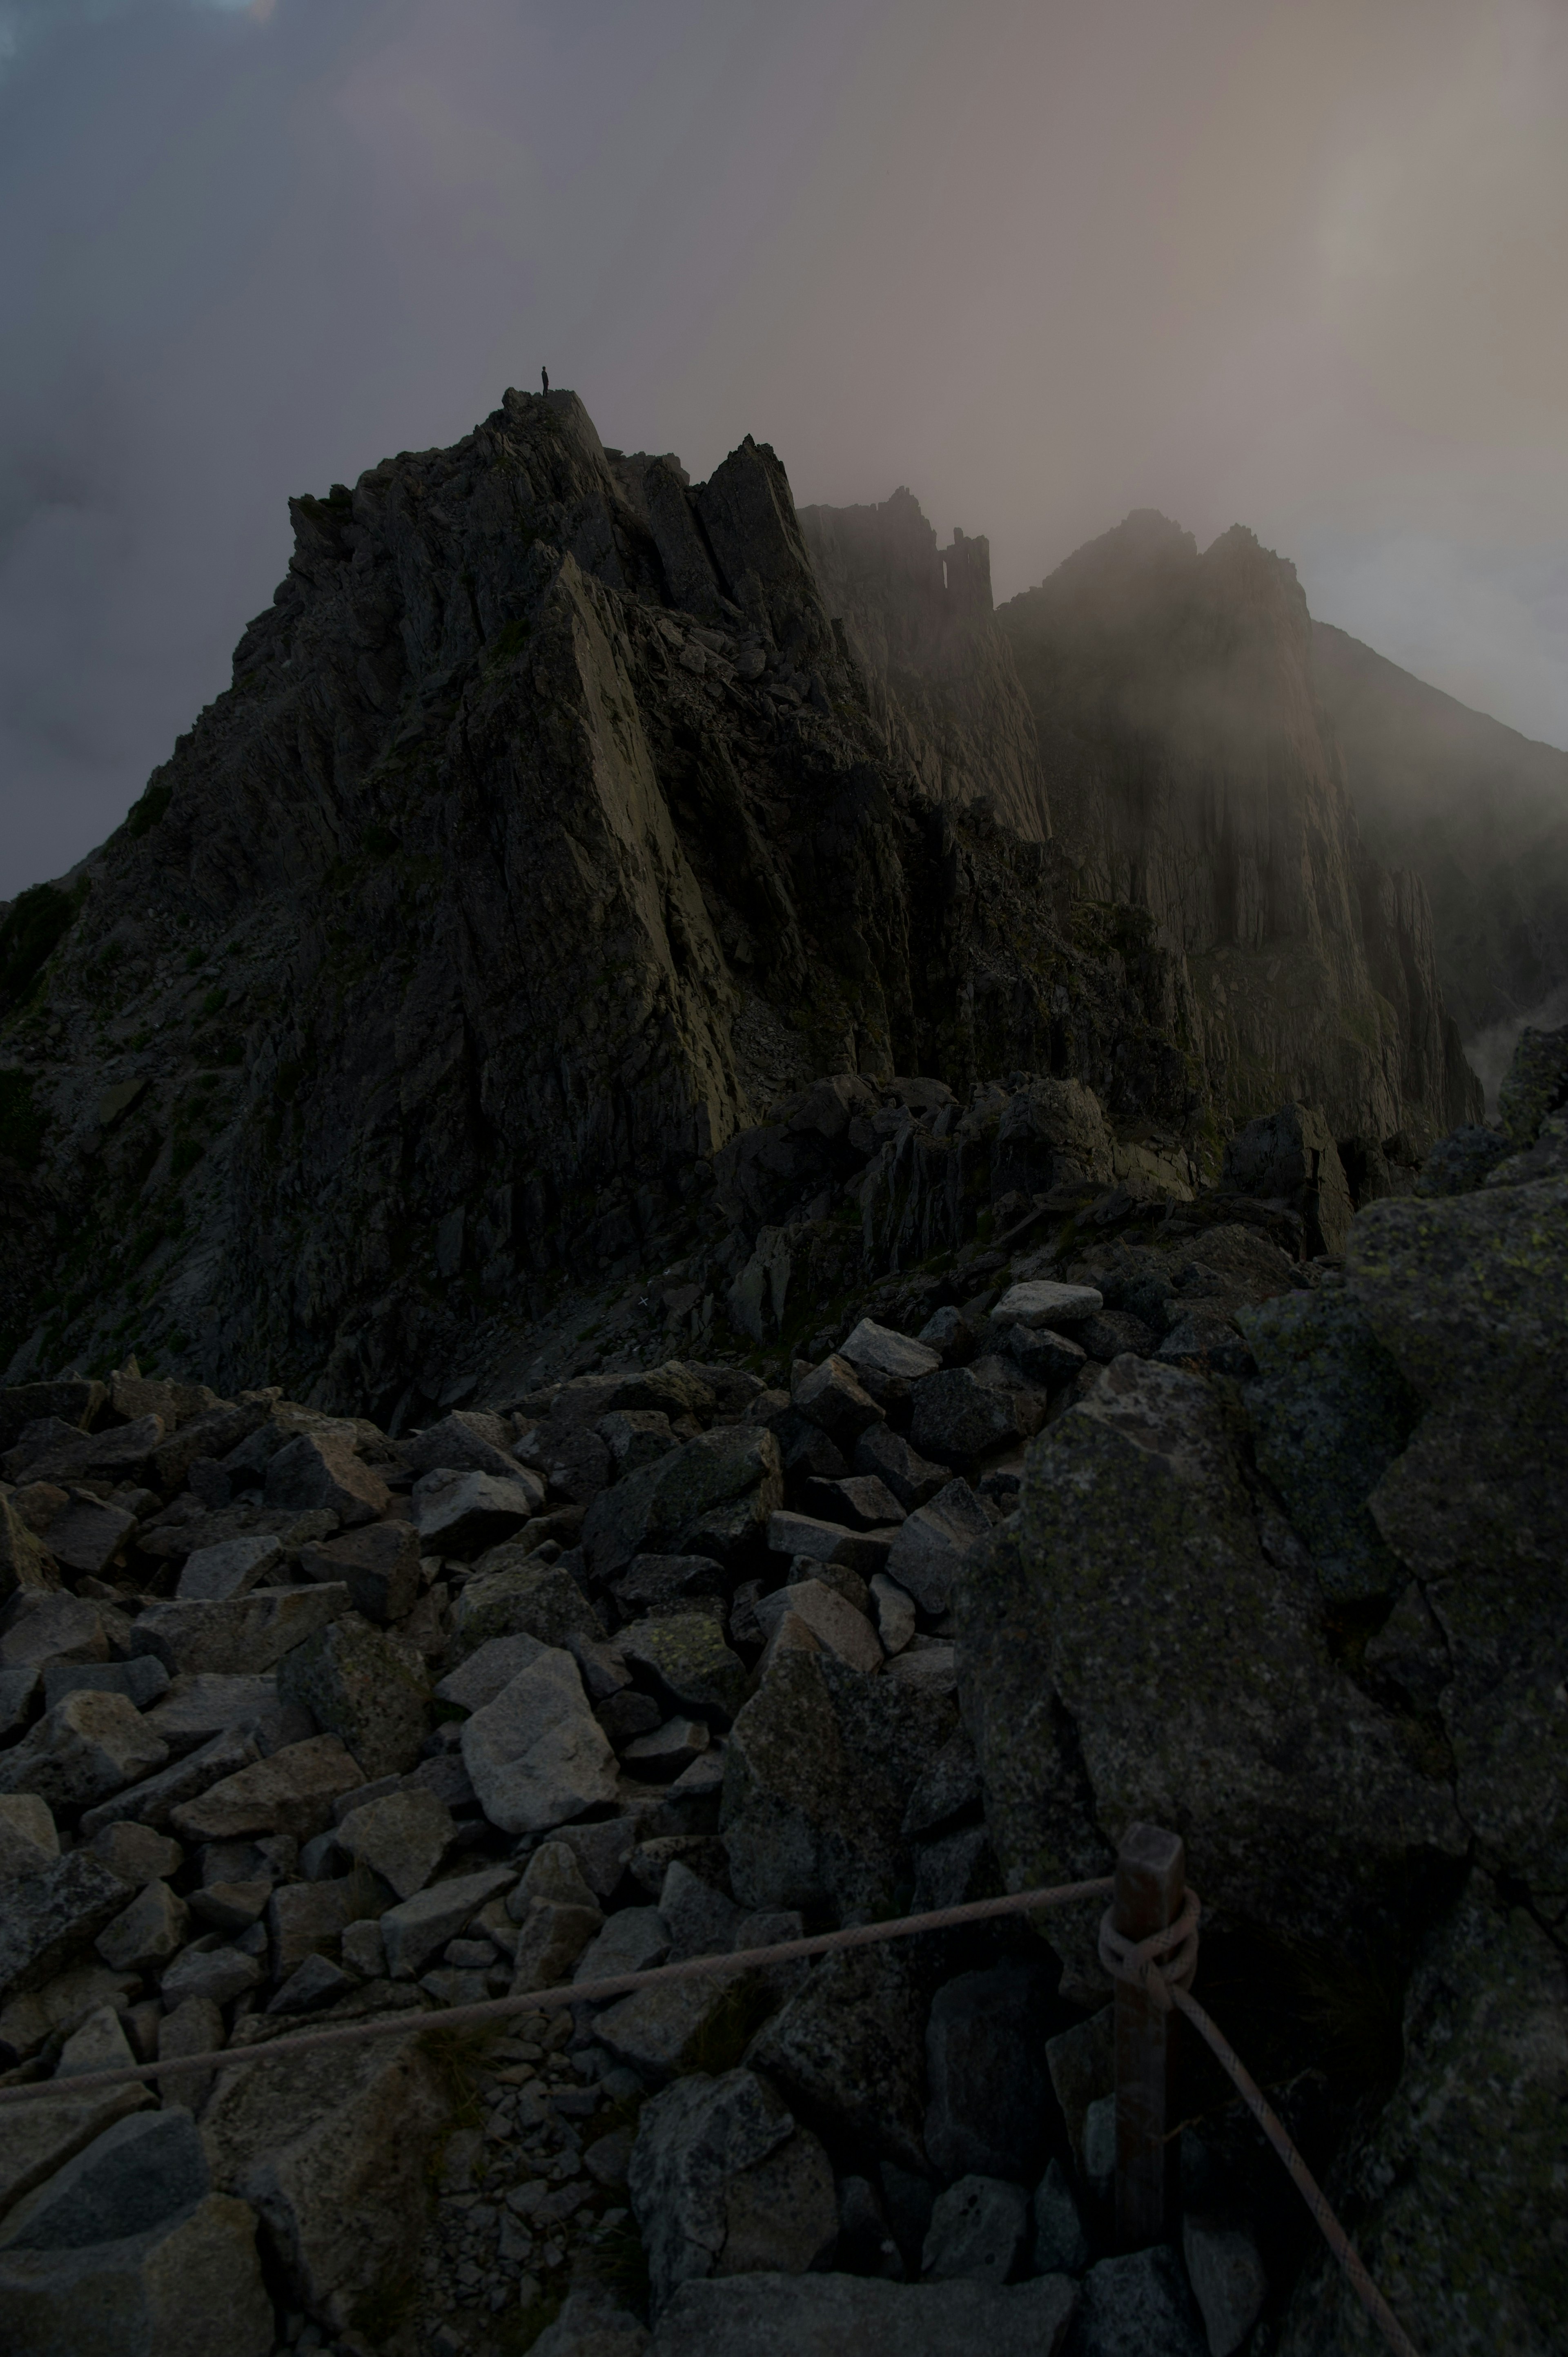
x: 545, y: 374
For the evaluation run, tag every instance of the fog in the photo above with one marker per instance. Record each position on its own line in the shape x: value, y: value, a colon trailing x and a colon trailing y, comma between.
x: 1296, y: 265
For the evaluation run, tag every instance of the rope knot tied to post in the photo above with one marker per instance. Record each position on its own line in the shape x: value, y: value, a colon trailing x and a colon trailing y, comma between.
x: 1166, y: 1959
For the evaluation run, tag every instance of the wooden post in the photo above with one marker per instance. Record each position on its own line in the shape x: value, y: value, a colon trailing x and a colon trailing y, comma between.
x: 1151, y: 1881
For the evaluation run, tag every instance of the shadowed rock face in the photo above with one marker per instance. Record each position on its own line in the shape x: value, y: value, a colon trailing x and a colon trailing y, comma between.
x: 557, y: 824
x: 1192, y: 770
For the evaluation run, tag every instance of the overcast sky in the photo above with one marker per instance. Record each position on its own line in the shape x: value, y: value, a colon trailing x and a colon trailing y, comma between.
x: 1297, y: 263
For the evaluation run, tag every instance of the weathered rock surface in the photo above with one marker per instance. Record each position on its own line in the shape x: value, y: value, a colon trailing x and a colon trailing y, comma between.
x: 537, y: 1755
x: 820, y: 2316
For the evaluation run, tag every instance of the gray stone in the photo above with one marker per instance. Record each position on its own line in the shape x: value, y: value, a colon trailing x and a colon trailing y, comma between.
x: 672, y: 2026
x: 403, y: 1837
x: 87, y: 1747
x: 1043, y: 1357
x: 985, y: 2067
x: 246, y: 1635
x: 665, y: 1583
x: 27, y: 1566
x: 537, y: 1755
x: 139, y: 2173
x: 154, y: 1801
x: 18, y: 1690
x: 894, y: 1613
x: 59, y: 1454
x: 950, y: 1334
x: 722, y: 2182
x: 1098, y: 2152
x: 885, y: 1352
x: 291, y: 1794
x: 592, y: 2322
x: 804, y: 1535
x: 316, y: 1471
x: 976, y: 2232
x: 512, y: 1594
x: 1291, y: 1157
x: 700, y: 1919
x: 461, y: 1514
x: 137, y: 1852
x: 861, y: 1502
x: 150, y: 2294
x: 636, y: 1436
x: 38, y: 1626
x: 847, y: 2047
x: 1296, y: 1796
x: 667, y: 1752
x: 836, y: 1625
x: 1206, y: 1341
x: 602, y: 1851
x: 551, y: 1936
x: 194, y: 1709
x: 315, y: 1983
x: 332, y: 2147
x: 195, y: 2027
x: 1452, y: 2192
x: 633, y: 1941
x: 684, y: 1656
x: 460, y: 1443
x: 149, y: 1931
x: 215, y: 1975
x: 927, y: 1552
x: 959, y: 1416
x: 1225, y: 2270
x: 832, y: 1398
x: 41, y: 2137
x: 29, y: 1838
x: 1138, y: 2305
x: 141, y: 1681
x: 1060, y: 2245
x: 413, y: 1931
x: 948, y: 1789
x: 491, y: 1666
x: 818, y: 1774
x: 214, y: 1573
x: 379, y: 1564
x: 665, y: 1508
x: 1330, y: 1411
x: 366, y: 1685
x: 89, y: 1533
x: 887, y: 1456
x: 99, y: 2043
x: 830, y: 2314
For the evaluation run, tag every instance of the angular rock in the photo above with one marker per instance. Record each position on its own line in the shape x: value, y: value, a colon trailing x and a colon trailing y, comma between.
x: 100, y: 2043
x: 1298, y: 1802
x: 214, y: 1975
x: 1134, y: 2305
x: 888, y: 1458
x: 315, y: 1984
x: 291, y: 1794
x: 976, y: 2232
x: 537, y: 1755
x: 367, y: 1685
x: 667, y: 1751
x: 1042, y: 1302
x: 138, y: 2174
x: 461, y: 1514
x: 194, y: 2027
x: 678, y: 2026
x: 865, y: 1552
x: 151, y: 1930
x: 700, y: 1919
x: 592, y: 2322
x: 312, y: 1471
x: 1045, y: 1357
x: 928, y: 1551
x: 837, y: 1626
x: 141, y: 1681
x: 949, y: 1790
x: 1291, y: 1157
x: 602, y: 1851
x: 847, y: 2047
x: 708, y: 2202
x: 39, y: 1625
x: 416, y: 1928
x: 331, y: 2147
x: 138, y: 1853
x: 378, y: 1563
x: 87, y: 1535
x: 403, y: 1837
x: 18, y: 1690
x: 28, y: 1836
x: 491, y: 1666
x: 959, y: 1416
x: 665, y: 1583
x: 460, y: 1443
x: 41, y: 2137
x: 212, y: 1575
x: 894, y: 1613
x: 634, y: 1940
x: 62, y: 1455
x: 88, y: 1746
x: 820, y: 1768
x: 1060, y: 2245
x: 1225, y: 2271
x: 832, y: 1398
x: 552, y: 1937
x: 684, y: 1656
x: 149, y: 2294
x: 885, y: 1352
x: 1452, y: 2195
x: 1208, y: 1342
x: 661, y: 1509
x: 827, y: 2315
x: 192, y: 1710
x: 309, y: 1918
x: 27, y: 1566
x: 243, y: 1637
x: 862, y: 1501
x: 986, y: 2068
x: 513, y: 1595
x: 155, y: 1802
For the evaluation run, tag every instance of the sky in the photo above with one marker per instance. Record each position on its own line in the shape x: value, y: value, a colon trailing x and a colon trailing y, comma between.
x: 1295, y: 263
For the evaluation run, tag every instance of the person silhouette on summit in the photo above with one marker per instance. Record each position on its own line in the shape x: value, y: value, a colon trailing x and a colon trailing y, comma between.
x: 545, y: 374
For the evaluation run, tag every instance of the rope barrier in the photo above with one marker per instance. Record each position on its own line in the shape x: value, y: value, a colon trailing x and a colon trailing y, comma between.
x: 1143, y: 1964
x: 497, y: 2009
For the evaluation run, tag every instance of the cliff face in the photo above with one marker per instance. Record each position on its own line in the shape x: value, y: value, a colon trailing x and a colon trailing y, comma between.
x: 940, y: 677
x: 1192, y: 771
x: 545, y: 839
x: 1479, y: 813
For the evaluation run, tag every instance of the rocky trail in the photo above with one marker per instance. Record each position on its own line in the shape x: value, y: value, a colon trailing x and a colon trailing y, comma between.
x: 916, y: 1535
